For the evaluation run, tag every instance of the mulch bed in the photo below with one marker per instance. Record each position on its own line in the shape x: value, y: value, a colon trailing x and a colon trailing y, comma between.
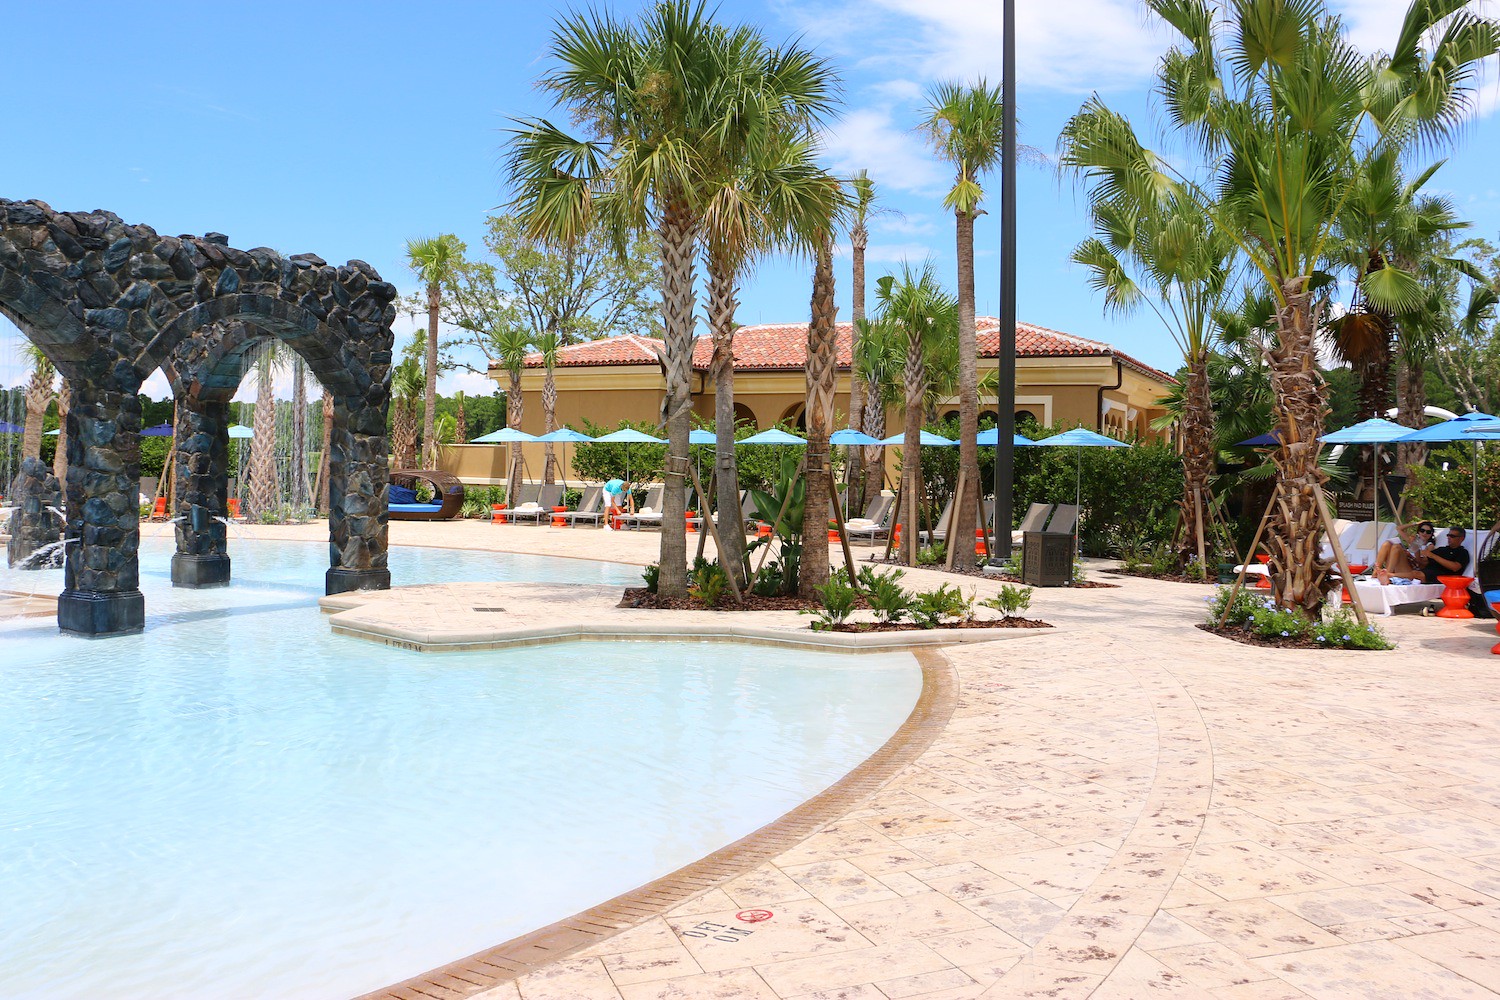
x: 640, y: 597
x: 1250, y: 638
x: 911, y: 627
x: 1085, y: 585
x: 1169, y: 577
x: 979, y: 573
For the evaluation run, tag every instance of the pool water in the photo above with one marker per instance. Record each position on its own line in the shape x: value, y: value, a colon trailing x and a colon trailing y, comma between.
x: 240, y: 803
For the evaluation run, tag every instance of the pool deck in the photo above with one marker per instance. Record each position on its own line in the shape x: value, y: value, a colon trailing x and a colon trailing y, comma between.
x: 1123, y: 806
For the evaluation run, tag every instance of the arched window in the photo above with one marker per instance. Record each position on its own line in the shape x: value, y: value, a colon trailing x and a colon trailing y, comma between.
x: 744, y: 415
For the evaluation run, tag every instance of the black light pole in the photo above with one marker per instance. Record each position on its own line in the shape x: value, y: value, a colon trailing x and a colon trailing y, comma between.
x: 1005, y: 450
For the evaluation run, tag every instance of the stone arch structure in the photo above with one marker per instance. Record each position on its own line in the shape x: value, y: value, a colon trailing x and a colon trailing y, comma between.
x: 109, y: 303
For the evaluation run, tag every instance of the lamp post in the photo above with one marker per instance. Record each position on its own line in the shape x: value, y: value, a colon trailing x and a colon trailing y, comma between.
x: 1005, y: 451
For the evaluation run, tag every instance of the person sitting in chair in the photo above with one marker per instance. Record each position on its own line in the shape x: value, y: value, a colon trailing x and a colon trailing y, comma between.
x: 1448, y: 560
x: 1406, y: 559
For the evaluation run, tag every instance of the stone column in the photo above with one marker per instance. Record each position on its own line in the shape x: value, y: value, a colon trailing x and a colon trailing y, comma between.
x: 201, y: 468
x: 101, y: 590
x: 358, y: 473
x: 35, y: 524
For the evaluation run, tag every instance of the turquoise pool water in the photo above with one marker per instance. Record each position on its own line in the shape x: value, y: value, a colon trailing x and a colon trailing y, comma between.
x: 240, y: 804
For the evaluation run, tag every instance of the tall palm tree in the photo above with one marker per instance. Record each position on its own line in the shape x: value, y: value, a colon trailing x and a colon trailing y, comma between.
x: 510, y: 345
x: 861, y: 206
x: 460, y: 419
x: 1274, y: 96
x: 665, y: 100
x: 299, y: 431
x: 262, y: 487
x: 433, y: 259
x: 927, y: 316
x: 1168, y: 254
x: 965, y: 125
x: 879, y: 354
x: 546, y: 345
x: 822, y: 384
x: 60, y: 459
x: 407, y: 384
x: 324, y: 487
x: 38, y: 397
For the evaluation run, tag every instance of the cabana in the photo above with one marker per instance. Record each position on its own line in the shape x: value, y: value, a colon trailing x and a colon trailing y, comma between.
x: 447, y: 496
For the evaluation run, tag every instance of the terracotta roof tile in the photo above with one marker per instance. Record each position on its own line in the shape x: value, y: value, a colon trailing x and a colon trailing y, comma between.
x: 783, y: 346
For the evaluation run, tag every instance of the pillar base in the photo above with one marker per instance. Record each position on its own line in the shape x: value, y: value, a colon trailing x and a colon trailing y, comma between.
x: 96, y: 614
x: 200, y: 572
x: 341, y: 581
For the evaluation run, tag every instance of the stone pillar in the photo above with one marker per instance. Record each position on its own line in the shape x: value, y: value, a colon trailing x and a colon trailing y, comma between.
x: 34, y: 525
x: 358, y: 473
x: 201, y: 468
x: 101, y: 590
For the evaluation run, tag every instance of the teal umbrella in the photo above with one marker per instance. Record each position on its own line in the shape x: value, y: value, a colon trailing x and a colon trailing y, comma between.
x: 565, y: 436
x: 240, y: 431
x: 628, y: 436
x: 851, y: 437
x: 1079, y: 437
x: 505, y: 435
x: 773, y: 436
x: 991, y: 438
x: 1376, y: 431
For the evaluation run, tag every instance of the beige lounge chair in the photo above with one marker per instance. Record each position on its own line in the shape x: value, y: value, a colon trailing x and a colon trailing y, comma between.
x: 649, y: 513
x: 590, y: 508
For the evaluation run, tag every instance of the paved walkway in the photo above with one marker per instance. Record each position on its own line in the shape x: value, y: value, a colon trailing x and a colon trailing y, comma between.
x: 1122, y: 807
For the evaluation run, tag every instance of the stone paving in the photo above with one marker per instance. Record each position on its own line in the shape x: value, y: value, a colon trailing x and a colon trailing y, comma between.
x: 1121, y: 807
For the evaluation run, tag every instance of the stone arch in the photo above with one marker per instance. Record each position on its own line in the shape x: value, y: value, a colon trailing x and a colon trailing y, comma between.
x: 744, y: 415
x: 796, y: 415
x: 110, y: 303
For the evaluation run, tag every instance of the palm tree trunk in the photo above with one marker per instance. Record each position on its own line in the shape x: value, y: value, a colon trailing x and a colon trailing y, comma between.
x: 1298, y: 575
x: 38, y: 397
x: 854, y: 479
x: 874, y: 425
x: 60, y: 460
x: 404, y: 433
x: 1197, y: 454
x: 262, y: 473
x: 677, y: 320
x: 299, y: 432
x: 965, y: 511
x: 461, y: 423
x: 822, y: 385
x: 429, y: 417
x: 549, y: 424
x: 323, y: 458
x: 911, y: 448
x: 722, y: 303
x: 514, y: 408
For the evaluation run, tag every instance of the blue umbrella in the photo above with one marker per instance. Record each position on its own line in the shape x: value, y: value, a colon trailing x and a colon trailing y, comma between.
x: 504, y: 435
x: 700, y: 436
x: 159, y: 431
x: 991, y: 438
x: 240, y: 431
x: 773, y: 436
x: 1079, y: 437
x: 1458, y: 429
x: 564, y: 435
x: 927, y: 439
x: 1376, y: 431
x: 628, y: 436
x: 6, y: 427
x: 850, y: 436
x: 1266, y: 440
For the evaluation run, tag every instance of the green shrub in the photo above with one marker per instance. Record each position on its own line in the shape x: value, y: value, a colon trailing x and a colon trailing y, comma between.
x: 768, y: 580
x: 1011, y: 600
x: 838, y: 600
x: 884, y: 592
x: 931, y: 608
x: 1260, y: 615
x: 707, y: 582
x: 651, y: 574
x: 932, y: 555
x: 473, y: 507
x: 1342, y: 630
x: 1245, y: 603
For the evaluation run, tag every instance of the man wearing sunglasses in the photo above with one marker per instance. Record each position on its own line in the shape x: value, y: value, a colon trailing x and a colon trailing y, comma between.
x: 1447, y: 560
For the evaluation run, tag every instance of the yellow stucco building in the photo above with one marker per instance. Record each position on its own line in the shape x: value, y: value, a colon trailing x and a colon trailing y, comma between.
x: 1060, y: 378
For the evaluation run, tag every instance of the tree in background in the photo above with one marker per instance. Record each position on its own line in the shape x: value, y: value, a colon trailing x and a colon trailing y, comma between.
x: 1467, y: 353
x: 1288, y: 112
x: 461, y: 418
x: 546, y: 348
x: 822, y: 383
x: 300, y: 494
x: 60, y: 457
x: 862, y: 206
x: 433, y: 259
x: 407, y: 386
x: 39, y: 393
x: 262, y: 488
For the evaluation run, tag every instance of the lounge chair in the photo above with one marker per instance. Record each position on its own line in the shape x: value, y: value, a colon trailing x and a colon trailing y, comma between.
x: 940, y: 527
x: 547, y: 498
x: 1035, y: 519
x: 649, y: 513
x: 447, y: 496
x: 590, y: 508
x: 875, y: 524
x: 1064, y: 519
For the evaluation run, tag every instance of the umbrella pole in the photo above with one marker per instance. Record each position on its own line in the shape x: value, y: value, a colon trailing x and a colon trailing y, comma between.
x: 1375, y: 493
x: 1474, y: 511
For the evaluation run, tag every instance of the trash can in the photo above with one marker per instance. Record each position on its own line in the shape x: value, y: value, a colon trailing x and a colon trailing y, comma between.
x: 1046, y: 559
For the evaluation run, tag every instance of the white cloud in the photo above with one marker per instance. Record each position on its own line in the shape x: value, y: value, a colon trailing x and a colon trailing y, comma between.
x: 869, y: 139
x: 893, y: 253
x: 913, y: 224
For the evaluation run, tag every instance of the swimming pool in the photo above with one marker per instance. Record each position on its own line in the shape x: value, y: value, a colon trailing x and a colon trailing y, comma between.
x: 239, y: 803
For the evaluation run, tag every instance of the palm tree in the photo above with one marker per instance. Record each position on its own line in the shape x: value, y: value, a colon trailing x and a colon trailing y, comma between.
x: 510, y: 345
x: 822, y: 384
x: 299, y: 431
x: 965, y: 125
x: 879, y: 354
x: 547, y: 345
x: 324, y: 487
x: 666, y: 100
x: 1168, y: 254
x: 433, y: 259
x: 407, y: 383
x: 38, y: 397
x: 60, y: 460
x: 262, y: 488
x: 1288, y: 112
x: 926, y: 316
x: 862, y: 204
x: 461, y: 419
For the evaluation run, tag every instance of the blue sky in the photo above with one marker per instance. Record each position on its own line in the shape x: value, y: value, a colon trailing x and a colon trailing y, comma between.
x: 345, y: 129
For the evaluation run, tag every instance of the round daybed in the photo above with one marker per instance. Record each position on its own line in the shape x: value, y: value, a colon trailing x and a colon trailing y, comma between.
x: 447, y: 496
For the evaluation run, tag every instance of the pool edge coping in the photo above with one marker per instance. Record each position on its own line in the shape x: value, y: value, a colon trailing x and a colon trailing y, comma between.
x: 510, y: 960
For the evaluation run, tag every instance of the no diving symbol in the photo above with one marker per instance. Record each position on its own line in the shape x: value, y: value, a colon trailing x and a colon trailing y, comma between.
x: 753, y: 916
